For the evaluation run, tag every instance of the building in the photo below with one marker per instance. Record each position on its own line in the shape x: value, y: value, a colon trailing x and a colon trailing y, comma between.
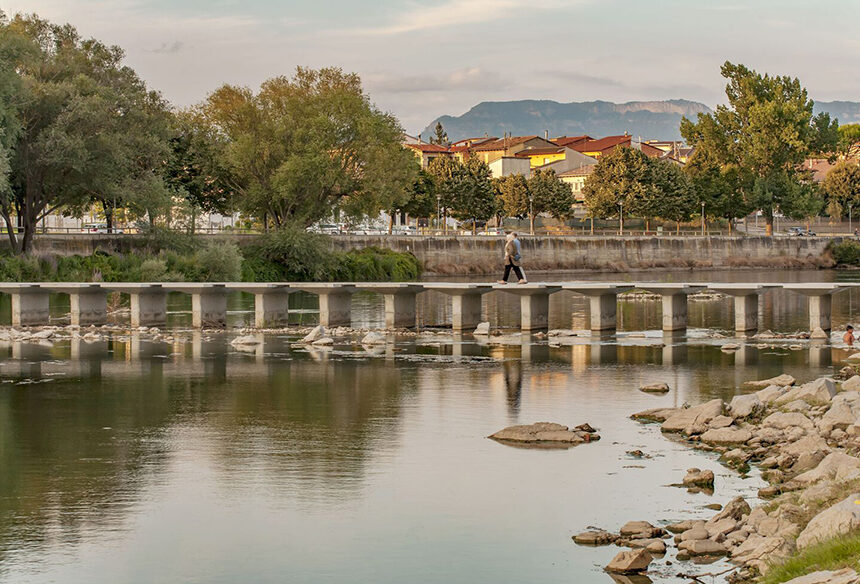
x: 508, y: 146
x: 570, y: 141
x: 576, y: 178
x: 424, y: 151
x: 673, y: 149
x: 599, y: 147
x: 507, y: 165
x: 461, y: 149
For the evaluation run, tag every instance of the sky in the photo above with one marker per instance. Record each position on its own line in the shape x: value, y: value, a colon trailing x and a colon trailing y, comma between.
x: 420, y: 60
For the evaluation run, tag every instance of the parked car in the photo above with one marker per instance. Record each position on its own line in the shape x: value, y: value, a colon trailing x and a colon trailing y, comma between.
x: 404, y: 230
x: 800, y: 232
x: 99, y: 228
x: 492, y: 232
x: 326, y: 228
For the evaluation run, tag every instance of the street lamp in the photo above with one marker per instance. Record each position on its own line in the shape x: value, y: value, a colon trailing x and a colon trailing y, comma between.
x: 620, y: 218
x: 703, y: 218
x: 531, y: 215
x: 438, y: 210
x: 849, y: 218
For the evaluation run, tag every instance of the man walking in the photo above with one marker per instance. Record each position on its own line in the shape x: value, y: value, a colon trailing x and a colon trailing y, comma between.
x: 513, y: 256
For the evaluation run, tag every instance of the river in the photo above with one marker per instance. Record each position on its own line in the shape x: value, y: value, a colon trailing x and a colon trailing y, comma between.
x: 137, y: 460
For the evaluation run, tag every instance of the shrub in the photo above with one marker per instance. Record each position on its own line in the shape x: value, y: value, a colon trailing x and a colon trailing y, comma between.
x: 219, y: 261
x: 846, y: 253
x: 301, y: 255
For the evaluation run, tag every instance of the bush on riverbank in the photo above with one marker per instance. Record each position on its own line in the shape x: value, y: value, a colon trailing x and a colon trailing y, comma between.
x: 288, y: 256
x: 846, y: 253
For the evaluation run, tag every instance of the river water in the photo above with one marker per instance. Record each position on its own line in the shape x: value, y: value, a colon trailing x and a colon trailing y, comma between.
x: 138, y: 460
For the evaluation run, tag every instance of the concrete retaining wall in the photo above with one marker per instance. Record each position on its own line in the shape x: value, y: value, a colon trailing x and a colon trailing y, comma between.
x: 483, y: 255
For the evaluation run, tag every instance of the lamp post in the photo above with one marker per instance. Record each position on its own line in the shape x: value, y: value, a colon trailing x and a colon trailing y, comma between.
x: 620, y: 218
x: 438, y: 210
x: 849, y: 218
x: 531, y: 214
x: 703, y: 218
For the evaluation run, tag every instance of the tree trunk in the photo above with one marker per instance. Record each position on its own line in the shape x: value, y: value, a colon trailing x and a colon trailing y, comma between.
x: 531, y: 224
x: 677, y: 228
x: 731, y: 221
x: 592, y: 225
x: 647, y: 225
x: 768, y: 226
x: 474, y: 226
x: 108, y: 211
x: 390, y: 222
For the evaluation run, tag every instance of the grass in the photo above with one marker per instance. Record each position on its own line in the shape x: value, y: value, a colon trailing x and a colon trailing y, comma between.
x: 834, y: 554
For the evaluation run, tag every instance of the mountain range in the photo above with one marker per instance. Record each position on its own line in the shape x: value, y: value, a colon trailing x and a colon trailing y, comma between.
x: 646, y: 119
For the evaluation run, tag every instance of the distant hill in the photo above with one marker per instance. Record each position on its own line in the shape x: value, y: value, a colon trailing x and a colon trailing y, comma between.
x: 847, y: 112
x: 646, y: 119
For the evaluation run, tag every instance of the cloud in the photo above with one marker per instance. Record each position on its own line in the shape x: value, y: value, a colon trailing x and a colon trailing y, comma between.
x: 169, y: 48
x: 470, y: 79
x: 582, y: 78
x: 459, y: 13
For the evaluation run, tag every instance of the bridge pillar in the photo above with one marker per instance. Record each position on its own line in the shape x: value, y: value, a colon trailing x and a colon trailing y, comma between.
x: 271, y: 309
x: 209, y: 308
x: 88, y: 307
x: 820, y: 300
x: 603, y: 302
x: 534, y: 304
x: 30, y: 305
x: 400, y: 301
x: 674, y: 303
x: 148, y: 306
x: 465, y: 303
x: 335, y: 301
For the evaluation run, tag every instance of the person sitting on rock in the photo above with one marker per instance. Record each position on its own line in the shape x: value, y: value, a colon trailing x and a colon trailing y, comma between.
x: 848, y: 337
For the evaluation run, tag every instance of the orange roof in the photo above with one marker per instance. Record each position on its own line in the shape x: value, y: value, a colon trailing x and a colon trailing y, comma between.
x: 582, y: 171
x: 537, y: 152
x: 503, y: 143
x: 424, y: 147
x: 603, y: 144
x: 568, y: 140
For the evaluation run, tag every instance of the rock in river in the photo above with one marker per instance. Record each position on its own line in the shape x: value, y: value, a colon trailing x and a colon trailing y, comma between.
x: 655, y: 388
x: 780, y: 380
x: 699, y: 478
x: 546, y: 433
x: 629, y: 562
x: 595, y: 537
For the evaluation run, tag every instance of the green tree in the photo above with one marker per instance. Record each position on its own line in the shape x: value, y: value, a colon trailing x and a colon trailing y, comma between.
x: 766, y: 131
x: 719, y: 187
x: 548, y: 194
x: 621, y: 179
x: 842, y: 187
x: 87, y: 129
x: 421, y: 199
x: 301, y: 147
x: 474, y: 198
x: 440, y: 136
x: 849, y: 136
x: 445, y: 172
x: 513, y: 190
x: 672, y: 197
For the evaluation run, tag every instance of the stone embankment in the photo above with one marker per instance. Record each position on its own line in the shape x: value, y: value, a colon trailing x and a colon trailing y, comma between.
x: 804, y: 438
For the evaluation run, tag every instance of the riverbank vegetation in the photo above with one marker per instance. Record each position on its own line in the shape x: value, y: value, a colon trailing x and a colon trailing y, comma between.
x: 289, y: 255
x: 846, y: 253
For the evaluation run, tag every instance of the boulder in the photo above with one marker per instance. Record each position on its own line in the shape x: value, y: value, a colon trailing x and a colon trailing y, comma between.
x: 853, y: 357
x: 780, y: 380
x: 840, y: 519
x: 770, y: 393
x: 483, y: 328
x: 843, y: 576
x: 703, y: 547
x: 782, y: 421
x: 629, y: 562
x: 820, y: 391
x: 655, y: 388
x: 734, y: 509
x: 655, y: 414
x: 806, y: 445
x: 744, y: 406
x: 839, y: 415
x: 694, y: 534
x: 699, y: 478
x: 373, y: 338
x: 316, y: 333
x: 245, y: 341
x: 759, y: 551
x: 657, y: 546
x: 685, y: 525
x: 722, y: 527
x: 851, y: 384
x: 688, y: 420
x: 721, y: 422
x: 639, y: 530
x: 728, y: 347
x: 595, y: 537
x: 545, y: 432
x: 726, y: 436
x: 818, y: 333
x: 835, y: 466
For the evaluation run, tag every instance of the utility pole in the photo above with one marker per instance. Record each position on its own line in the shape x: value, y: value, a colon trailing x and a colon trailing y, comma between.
x: 620, y: 218
x: 531, y: 214
x: 703, y: 218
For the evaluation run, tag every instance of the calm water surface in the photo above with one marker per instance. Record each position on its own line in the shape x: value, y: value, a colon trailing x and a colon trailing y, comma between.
x: 132, y: 460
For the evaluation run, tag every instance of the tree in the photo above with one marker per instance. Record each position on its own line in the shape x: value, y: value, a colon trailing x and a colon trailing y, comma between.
x: 719, y: 187
x: 672, y: 197
x: 87, y: 129
x: 842, y: 187
x: 474, y: 198
x: 440, y: 135
x: 421, y: 199
x: 303, y: 146
x: 548, y: 194
x: 513, y: 190
x: 191, y: 171
x: 849, y: 136
x: 621, y: 179
x: 766, y: 132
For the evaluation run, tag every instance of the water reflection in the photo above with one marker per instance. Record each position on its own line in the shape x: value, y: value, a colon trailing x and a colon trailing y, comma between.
x: 133, y: 452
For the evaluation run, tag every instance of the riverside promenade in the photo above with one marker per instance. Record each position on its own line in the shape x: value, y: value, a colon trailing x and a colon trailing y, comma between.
x: 148, y: 301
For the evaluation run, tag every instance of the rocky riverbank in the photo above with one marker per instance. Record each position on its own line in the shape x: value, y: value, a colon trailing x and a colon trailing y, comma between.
x: 804, y: 438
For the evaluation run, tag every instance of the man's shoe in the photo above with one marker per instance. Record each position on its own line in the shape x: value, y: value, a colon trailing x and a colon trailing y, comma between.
x: 523, y: 282
x: 500, y: 282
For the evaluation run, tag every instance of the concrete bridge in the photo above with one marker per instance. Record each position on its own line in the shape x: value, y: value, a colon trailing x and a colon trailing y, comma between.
x: 88, y: 301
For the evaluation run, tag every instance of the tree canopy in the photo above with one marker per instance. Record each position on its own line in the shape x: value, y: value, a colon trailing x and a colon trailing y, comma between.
x: 305, y: 145
x: 842, y: 187
x: 765, y: 132
x: 78, y: 127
